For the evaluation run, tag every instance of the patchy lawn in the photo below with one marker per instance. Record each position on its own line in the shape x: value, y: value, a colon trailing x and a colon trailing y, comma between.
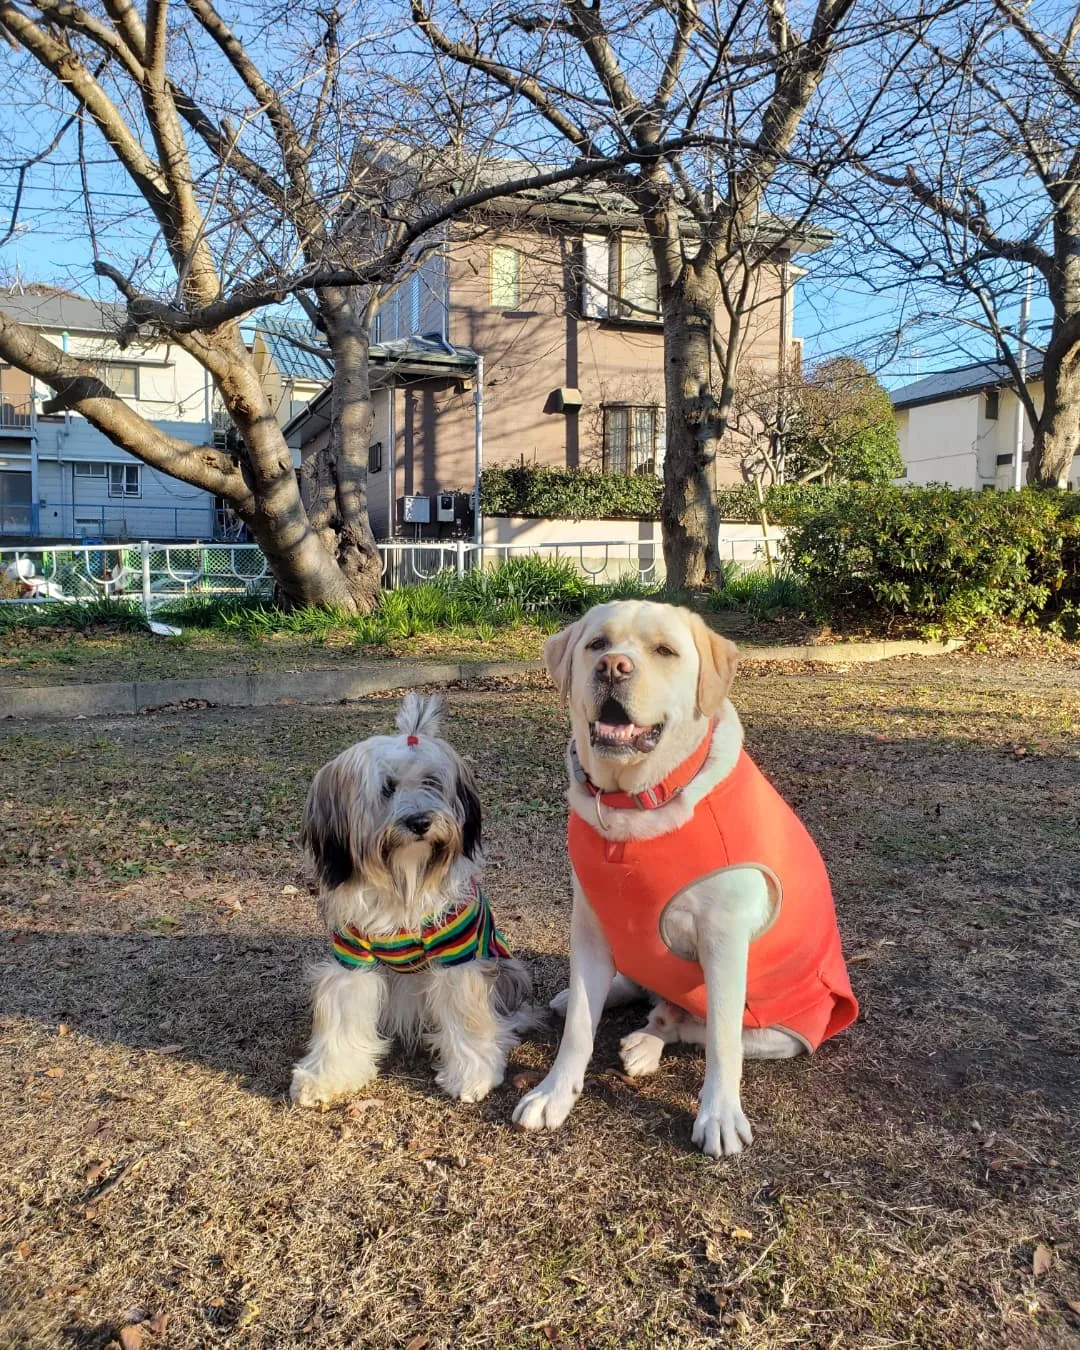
x: 916, y: 1183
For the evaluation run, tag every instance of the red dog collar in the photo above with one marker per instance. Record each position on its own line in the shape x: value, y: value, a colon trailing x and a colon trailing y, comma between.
x: 651, y: 797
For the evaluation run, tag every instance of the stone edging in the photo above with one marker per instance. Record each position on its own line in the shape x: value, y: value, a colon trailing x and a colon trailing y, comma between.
x: 337, y: 686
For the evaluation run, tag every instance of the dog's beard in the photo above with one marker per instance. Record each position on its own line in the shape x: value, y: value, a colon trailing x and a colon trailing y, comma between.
x: 410, y: 867
x: 614, y: 732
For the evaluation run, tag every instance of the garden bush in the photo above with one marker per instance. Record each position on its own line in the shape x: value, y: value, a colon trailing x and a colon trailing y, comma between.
x: 943, y: 559
x: 569, y: 494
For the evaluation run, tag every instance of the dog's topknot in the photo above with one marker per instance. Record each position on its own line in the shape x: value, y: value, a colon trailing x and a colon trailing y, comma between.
x: 420, y: 716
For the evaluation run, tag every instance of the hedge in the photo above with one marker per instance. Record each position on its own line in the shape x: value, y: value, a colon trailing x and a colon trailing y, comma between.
x: 569, y: 494
x: 586, y: 494
x: 944, y: 558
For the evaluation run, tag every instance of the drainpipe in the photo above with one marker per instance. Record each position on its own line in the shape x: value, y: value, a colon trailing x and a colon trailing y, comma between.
x: 1018, y: 453
x: 391, y: 458
x: 781, y: 382
x: 478, y: 404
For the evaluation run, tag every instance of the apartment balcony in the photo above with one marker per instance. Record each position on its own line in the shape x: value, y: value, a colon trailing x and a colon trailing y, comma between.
x: 16, y: 419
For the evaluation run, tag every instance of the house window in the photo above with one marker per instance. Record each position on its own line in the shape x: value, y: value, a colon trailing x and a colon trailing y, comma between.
x: 632, y: 439
x: 90, y: 470
x: 122, y: 378
x: 125, y: 480
x: 505, y: 278
x: 992, y: 400
x: 619, y: 278
x: 374, y: 457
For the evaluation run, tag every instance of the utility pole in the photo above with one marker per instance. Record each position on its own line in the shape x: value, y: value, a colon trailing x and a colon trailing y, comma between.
x: 1018, y: 452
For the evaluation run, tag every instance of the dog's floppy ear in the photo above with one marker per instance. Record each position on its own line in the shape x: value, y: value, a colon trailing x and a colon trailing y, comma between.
x: 559, y: 656
x: 469, y: 799
x: 325, y: 831
x: 717, y: 659
x: 420, y: 716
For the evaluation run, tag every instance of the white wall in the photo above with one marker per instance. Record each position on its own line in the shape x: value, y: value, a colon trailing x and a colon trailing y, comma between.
x: 615, y: 545
x: 172, y: 385
x: 939, y: 442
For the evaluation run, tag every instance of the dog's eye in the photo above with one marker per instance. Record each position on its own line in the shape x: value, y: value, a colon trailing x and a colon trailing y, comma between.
x: 596, y: 645
x: 389, y: 787
x: 432, y: 784
x: 665, y: 651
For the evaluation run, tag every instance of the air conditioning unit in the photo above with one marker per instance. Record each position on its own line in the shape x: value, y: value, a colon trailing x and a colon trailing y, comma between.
x: 415, y: 510
x: 445, y: 509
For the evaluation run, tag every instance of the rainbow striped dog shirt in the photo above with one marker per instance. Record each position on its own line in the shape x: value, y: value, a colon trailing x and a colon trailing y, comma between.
x: 467, y: 933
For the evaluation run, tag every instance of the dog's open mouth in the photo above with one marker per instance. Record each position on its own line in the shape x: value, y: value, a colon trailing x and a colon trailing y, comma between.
x: 614, y: 733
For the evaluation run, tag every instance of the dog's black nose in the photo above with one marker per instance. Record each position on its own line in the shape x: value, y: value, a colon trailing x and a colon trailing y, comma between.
x: 419, y: 824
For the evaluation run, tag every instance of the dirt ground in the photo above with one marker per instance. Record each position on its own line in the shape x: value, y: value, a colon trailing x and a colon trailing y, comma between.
x: 916, y: 1183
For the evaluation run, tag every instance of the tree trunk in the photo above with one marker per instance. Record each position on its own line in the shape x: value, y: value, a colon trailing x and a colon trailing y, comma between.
x: 694, y: 429
x: 1057, y: 432
x: 339, y: 509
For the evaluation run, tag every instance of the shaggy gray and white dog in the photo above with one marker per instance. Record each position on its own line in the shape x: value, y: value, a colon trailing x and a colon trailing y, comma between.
x: 393, y: 828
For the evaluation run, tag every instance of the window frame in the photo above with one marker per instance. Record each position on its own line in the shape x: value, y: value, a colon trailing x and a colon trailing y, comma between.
x: 109, y: 369
x: 374, y: 457
x: 635, y: 459
x: 126, y: 470
x: 89, y: 468
x: 992, y: 405
x: 515, y: 253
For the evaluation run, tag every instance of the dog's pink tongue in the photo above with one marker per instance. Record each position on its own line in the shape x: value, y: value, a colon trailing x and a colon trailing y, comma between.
x: 625, y: 731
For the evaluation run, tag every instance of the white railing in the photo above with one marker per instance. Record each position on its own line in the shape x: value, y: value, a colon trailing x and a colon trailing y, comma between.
x: 155, y: 574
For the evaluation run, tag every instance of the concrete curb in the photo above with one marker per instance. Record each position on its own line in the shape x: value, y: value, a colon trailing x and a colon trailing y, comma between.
x: 337, y: 686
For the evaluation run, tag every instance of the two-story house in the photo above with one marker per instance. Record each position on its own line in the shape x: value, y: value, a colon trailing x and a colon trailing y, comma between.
x: 60, y: 478
x: 560, y: 300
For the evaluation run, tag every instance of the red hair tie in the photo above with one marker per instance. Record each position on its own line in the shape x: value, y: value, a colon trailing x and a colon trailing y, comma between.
x: 412, y: 740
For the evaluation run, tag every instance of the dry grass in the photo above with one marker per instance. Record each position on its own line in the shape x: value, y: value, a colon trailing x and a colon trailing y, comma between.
x: 900, y: 1183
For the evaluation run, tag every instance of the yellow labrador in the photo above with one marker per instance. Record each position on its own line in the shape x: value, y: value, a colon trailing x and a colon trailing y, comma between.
x: 645, y: 683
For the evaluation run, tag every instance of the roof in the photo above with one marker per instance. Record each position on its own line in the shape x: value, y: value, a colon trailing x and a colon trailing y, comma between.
x: 290, y: 344
x: 47, y: 308
x: 961, y: 381
x: 580, y: 202
x: 414, y: 357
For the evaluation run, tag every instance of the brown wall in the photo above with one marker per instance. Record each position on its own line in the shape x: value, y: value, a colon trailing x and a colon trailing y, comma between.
x: 531, y: 352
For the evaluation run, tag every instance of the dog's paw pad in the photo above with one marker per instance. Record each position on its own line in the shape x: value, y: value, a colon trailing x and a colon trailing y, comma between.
x: 544, y: 1108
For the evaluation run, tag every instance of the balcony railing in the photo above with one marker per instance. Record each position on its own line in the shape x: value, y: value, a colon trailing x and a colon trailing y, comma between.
x: 14, y: 416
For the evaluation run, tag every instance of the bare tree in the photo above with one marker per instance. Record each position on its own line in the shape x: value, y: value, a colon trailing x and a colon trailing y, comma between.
x: 298, y: 157
x: 728, y: 83
x: 970, y: 190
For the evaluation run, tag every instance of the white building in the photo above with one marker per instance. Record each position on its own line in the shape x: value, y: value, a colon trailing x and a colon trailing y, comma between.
x: 60, y: 478
x: 959, y: 427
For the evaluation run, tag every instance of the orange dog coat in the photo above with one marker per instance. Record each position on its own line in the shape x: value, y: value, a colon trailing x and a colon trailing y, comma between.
x: 796, y: 977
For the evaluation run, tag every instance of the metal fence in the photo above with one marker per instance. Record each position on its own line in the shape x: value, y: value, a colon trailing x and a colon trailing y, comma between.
x: 155, y: 574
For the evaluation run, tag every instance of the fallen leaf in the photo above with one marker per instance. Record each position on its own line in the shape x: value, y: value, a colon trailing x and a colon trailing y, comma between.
x: 168, y: 1049
x: 158, y: 1323
x: 131, y: 1338
x: 418, y: 1342
x: 363, y: 1106
x: 1042, y: 1260
x: 290, y: 890
x: 23, y: 1251
x: 251, y: 1311
x: 54, y: 1071
x: 741, y: 1234
x: 1074, y: 1304
x: 94, y: 1172
x: 90, y: 1212
x: 217, y: 1301
x: 62, y: 1029
x: 527, y: 1078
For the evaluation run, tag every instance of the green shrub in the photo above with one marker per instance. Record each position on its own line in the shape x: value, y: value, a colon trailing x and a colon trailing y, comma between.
x: 569, y: 494
x: 943, y: 558
x: 760, y: 594
x: 784, y: 502
x: 78, y: 616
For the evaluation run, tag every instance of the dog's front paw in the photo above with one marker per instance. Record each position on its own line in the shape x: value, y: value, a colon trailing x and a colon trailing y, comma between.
x: 640, y: 1052
x: 721, y: 1129
x: 308, y: 1090
x: 559, y: 1003
x: 469, y: 1083
x: 547, y: 1105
